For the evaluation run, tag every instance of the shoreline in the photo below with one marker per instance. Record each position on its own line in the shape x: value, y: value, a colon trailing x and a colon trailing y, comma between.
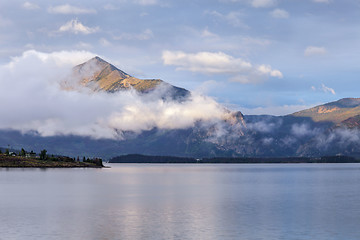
x: 146, y: 159
x: 22, y: 162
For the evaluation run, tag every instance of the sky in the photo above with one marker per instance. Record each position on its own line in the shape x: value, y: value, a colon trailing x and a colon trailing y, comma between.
x: 256, y: 56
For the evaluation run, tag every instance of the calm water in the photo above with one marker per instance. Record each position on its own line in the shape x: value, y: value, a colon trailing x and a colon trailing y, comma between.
x: 247, y: 202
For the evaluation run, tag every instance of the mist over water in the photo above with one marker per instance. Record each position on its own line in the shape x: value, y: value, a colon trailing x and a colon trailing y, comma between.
x: 270, y: 202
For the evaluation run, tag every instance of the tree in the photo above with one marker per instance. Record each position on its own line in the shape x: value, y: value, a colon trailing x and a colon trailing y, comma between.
x: 22, y: 152
x: 7, y: 152
x: 43, y: 155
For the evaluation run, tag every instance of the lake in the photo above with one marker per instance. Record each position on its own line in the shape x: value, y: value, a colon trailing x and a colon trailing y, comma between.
x: 182, y: 201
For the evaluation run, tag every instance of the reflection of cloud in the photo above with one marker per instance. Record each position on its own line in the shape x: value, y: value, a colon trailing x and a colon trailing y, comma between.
x: 219, y: 63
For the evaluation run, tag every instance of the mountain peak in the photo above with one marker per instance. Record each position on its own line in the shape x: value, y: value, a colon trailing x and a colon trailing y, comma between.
x: 98, y: 59
x: 99, y: 75
x: 346, y: 103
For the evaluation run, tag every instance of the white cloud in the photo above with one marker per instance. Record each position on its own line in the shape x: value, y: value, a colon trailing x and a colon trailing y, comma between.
x: 279, y: 13
x: 313, y: 50
x: 210, y: 63
x: 263, y: 3
x: 30, y: 6
x: 233, y: 18
x: 74, y: 26
x: 206, y: 33
x: 35, y: 101
x: 145, y: 35
x: 327, y: 89
x: 104, y: 42
x: 59, y: 59
x: 324, y: 89
x: 302, y: 130
x: 69, y: 9
x: 266, y: 69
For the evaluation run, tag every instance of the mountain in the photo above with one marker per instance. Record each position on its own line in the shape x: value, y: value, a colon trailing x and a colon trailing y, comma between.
x: 335, y: 112
x: 99, y: 75
x: 351, y: 123
x: 328, y: 129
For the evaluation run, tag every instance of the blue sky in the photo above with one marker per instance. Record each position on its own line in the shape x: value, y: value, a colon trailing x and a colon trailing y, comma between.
x: 256, y: 56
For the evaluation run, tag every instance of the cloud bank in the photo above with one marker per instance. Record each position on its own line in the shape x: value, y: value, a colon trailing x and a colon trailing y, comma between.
x: 35, y: 102
x: 211, y: 63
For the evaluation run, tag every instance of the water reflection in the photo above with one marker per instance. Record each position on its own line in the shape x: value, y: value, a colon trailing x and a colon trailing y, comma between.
x: 251, y: 202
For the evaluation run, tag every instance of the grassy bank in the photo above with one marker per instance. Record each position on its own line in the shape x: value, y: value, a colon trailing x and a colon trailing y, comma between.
x: 60, y: 162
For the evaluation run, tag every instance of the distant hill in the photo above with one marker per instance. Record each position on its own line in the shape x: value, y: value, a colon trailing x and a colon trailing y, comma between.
x: 335, y: 112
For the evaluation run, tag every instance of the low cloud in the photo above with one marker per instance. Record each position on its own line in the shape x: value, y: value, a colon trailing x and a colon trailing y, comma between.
x: 36, y: 102
x: 76, y: 27
x: 339, y: 139
x: 279, y: 13
x: 211, y: 63
x: 313, y: 51
x: 303, y: 130
x: 265, y: 125
x: 69, y: 9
